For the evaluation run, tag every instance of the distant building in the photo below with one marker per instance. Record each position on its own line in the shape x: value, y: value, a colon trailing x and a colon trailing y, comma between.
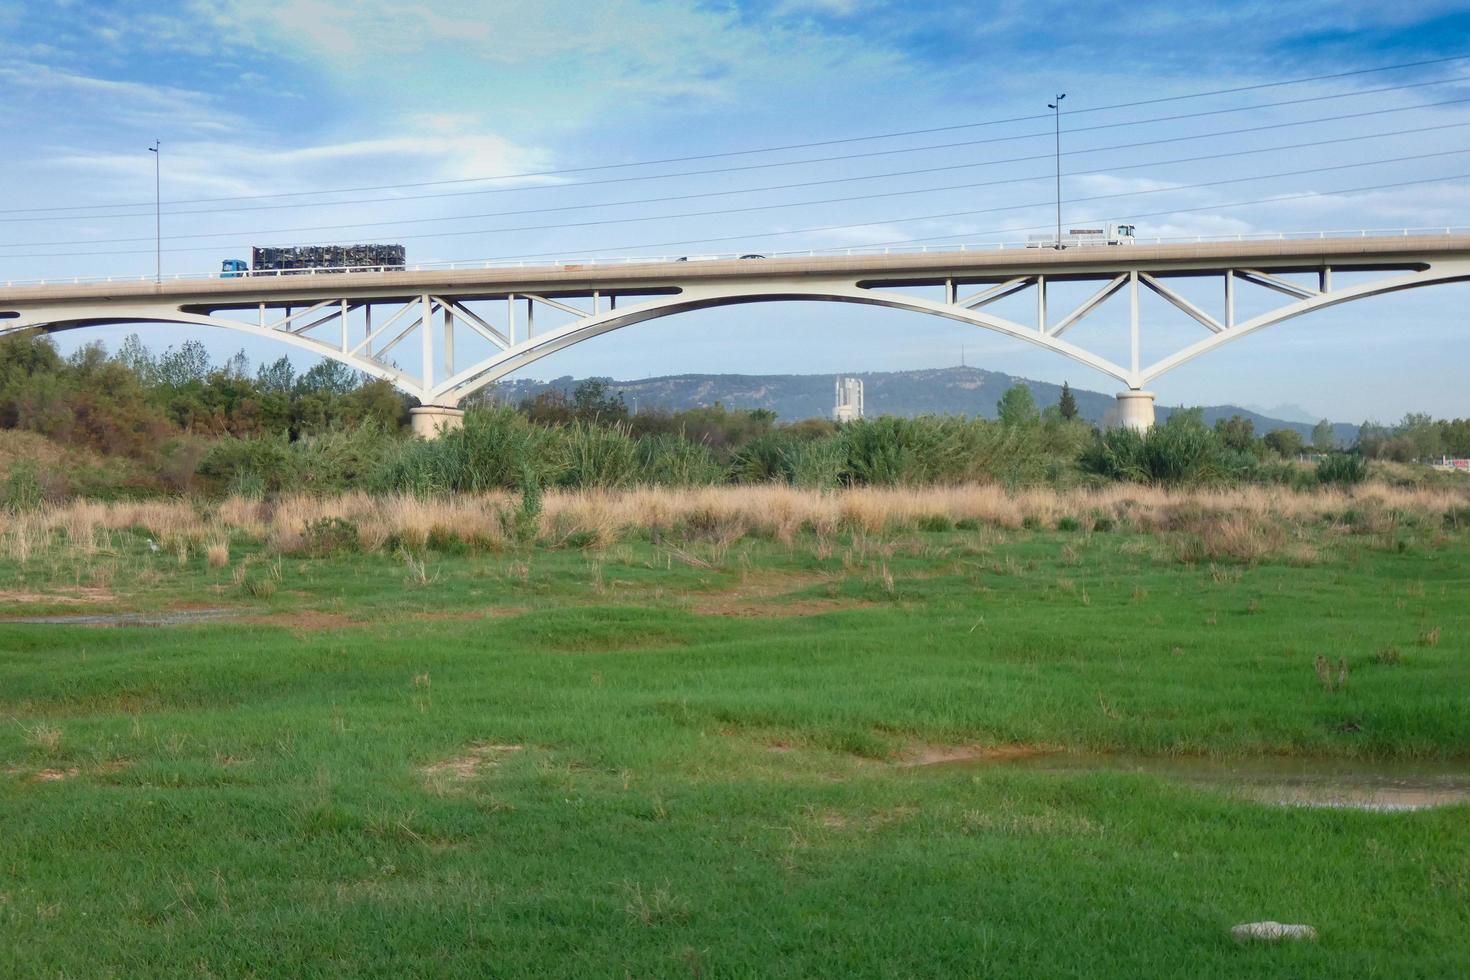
x: 849, y: 404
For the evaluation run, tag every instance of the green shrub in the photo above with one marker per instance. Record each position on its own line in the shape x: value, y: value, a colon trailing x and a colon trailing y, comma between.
x: 496, y: 449
x: 261, y: 464
x: 892, y: 451
x: 328, y: 536
x: 330, y: 462
x: 768, y: 458
x: 1342, y: 469
x: 523, y: 523
x: 1181, y: 451
x: 666, y: 459
x: 447, y: 541
x: 341, y: 459
x: 817, y: 464
x: 600, y: 457
x: 22, y: 490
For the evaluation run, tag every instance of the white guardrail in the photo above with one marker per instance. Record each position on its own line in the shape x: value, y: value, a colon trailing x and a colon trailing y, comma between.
x: 542, y: 262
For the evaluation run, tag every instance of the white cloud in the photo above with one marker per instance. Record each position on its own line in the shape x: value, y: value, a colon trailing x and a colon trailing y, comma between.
x: 219, y: 168
x: 572, y: 58
x: 126, y: 102
x: 830, y: 8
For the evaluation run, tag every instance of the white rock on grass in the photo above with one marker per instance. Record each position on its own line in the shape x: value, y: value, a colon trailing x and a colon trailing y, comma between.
x: 1271, y: 932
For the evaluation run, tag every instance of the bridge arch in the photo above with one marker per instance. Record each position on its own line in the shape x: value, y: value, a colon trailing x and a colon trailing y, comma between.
x: 433, y: 305
x: 522, y: 355
x: 21, y: 324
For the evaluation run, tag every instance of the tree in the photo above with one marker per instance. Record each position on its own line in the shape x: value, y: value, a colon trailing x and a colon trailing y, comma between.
x: 1424, y: 434
x: 374, y: 402
x: 591, y: 403
x: 279, y: 376
x: 549, y: 407
x: 1237, y: 432
x: 1372, y: 440
x: 237, y: 366
x: 1017, y: 406
x: 1286, y: 442
x: 137, y: 358
x: 1068, y: 403
x: 1324, y: 440
x: 329, y: 378
x: 188, y: 364
x: 1456, y: 437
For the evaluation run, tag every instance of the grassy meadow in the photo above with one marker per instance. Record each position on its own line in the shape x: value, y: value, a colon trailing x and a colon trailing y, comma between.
x: 726, y: 732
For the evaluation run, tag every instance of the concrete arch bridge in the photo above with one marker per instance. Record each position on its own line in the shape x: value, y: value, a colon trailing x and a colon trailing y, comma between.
x: 378, y: 322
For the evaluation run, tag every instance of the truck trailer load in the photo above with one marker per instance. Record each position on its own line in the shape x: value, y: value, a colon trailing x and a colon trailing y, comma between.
x: 298, y: 259
x: 1111, y: 233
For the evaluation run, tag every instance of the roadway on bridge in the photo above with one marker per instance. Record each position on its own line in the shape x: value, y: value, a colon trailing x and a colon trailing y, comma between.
x: 893, y: 269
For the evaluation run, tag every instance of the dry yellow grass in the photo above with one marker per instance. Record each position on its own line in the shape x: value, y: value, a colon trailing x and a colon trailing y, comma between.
x: 217, y: 553
x: 1243, y: 523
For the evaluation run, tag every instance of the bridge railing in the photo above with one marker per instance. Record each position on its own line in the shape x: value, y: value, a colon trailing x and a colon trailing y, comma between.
x: 549, y: 260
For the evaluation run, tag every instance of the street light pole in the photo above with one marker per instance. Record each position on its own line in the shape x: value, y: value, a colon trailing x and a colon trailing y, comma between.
x: 1056, y: 108
x: 157, y: 212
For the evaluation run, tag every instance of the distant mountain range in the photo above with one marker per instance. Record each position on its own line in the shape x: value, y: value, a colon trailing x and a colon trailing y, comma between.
x: 940, y: 391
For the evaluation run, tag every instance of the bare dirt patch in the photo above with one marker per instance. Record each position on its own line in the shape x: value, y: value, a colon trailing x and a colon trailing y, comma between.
x: 56, y: 774
x: 866, y: 820
x: 739, y: 608
x: 59, y: 597
x: 318, y: 620
x: 762, y: 595
x: 482, y: 755
x: 53, y: 775
x: 305, y: 620
x: 469, y: 615
x: 182, y: 617
x: 938, y: 755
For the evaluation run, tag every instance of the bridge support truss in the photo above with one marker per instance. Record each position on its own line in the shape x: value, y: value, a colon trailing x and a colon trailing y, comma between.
x: 375, y: 322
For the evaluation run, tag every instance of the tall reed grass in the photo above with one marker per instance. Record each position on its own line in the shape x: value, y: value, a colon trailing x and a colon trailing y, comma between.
x: 1241, y: 522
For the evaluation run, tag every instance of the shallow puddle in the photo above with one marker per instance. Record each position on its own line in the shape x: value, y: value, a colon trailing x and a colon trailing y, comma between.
x: 1351, y: 784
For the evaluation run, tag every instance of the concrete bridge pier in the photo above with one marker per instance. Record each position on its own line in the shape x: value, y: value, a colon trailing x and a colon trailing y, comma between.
x: 432, y: 421
x: 1136, y: 409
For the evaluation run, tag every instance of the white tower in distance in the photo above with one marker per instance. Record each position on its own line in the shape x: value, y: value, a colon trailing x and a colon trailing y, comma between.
x: 849, y: 404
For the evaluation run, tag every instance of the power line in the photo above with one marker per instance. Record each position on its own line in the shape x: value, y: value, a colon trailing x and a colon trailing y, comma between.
x: 1160, y: 214
x: 923, y: 217
x: 831, y: 180
x: 794, y: 204
x: 853, y: 139
x: 958, y: 214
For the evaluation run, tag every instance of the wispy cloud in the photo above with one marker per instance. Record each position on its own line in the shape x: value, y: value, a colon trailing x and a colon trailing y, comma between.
x: 125, y: 102
x: 568, y: 57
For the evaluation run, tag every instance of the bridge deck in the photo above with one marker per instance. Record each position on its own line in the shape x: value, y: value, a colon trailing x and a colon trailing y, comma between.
x: 895, y: 269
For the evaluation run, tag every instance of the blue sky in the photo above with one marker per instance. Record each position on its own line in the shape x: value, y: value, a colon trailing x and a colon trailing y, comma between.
x: 283, y: 97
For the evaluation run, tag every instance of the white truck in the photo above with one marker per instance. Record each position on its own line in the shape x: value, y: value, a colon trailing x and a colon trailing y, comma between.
x: 1111, y: 233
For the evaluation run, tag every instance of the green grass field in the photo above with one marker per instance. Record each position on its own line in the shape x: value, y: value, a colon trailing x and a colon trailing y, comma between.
x: 697, y: 760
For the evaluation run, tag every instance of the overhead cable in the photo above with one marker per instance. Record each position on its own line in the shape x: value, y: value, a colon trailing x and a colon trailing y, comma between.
x: 260, y: 232
x: 853, y: 139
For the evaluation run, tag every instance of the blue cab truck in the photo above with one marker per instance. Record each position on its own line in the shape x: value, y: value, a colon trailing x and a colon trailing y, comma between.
x: 299, y: 259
